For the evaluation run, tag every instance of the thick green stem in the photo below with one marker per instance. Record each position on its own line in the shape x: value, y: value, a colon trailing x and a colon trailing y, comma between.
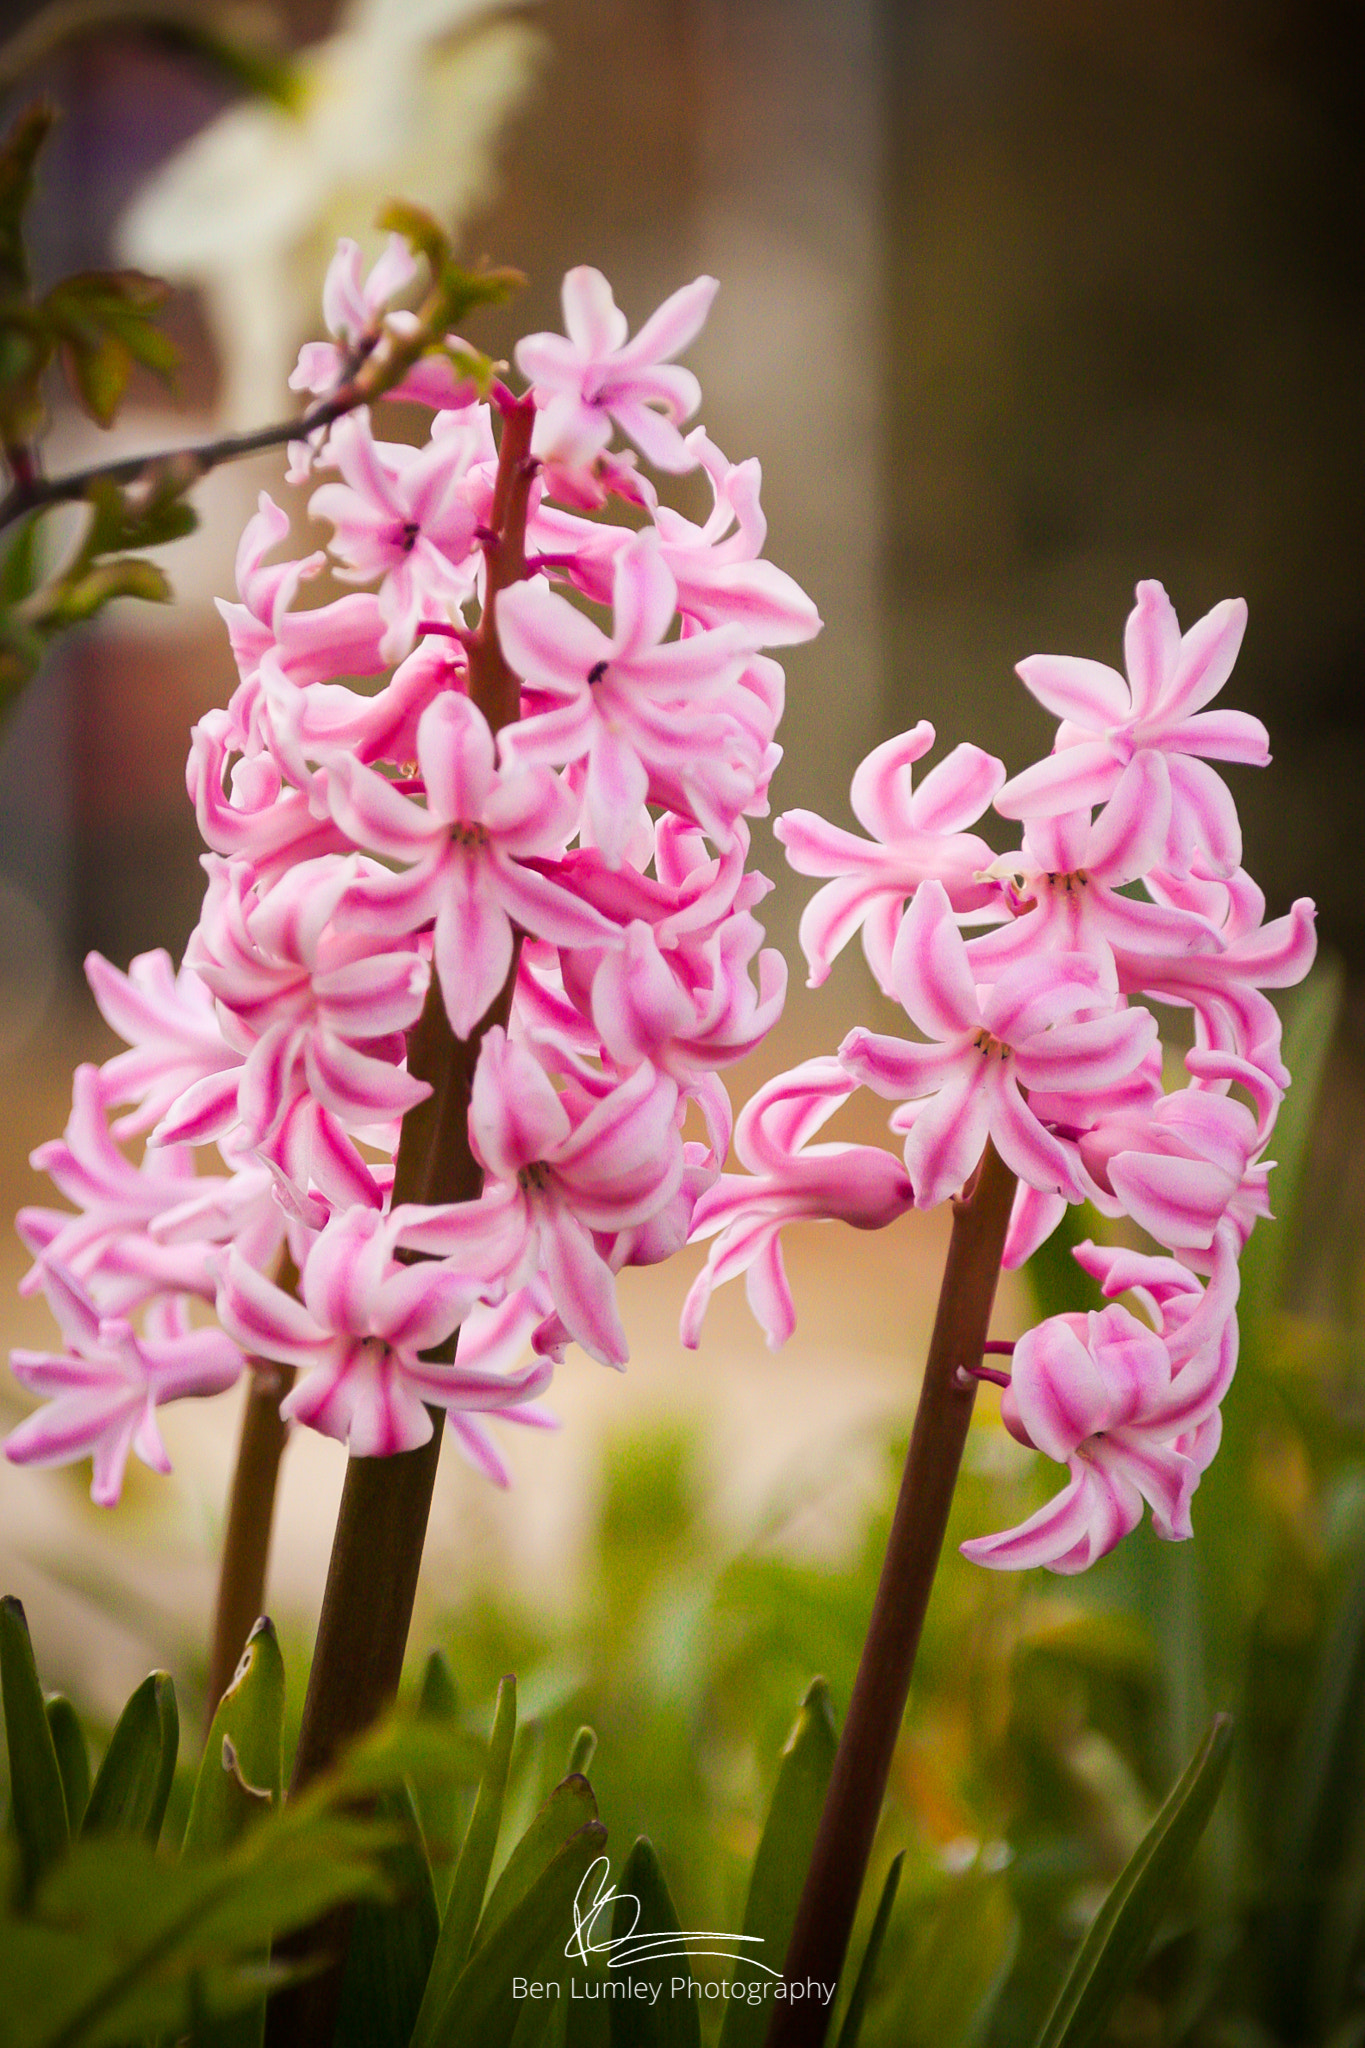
x: 385, y: 1502
x: 862, y: 1764
x: 246, y: 1540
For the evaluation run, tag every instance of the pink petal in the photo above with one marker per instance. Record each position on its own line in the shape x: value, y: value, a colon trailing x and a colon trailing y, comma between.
x: 1087, y: 692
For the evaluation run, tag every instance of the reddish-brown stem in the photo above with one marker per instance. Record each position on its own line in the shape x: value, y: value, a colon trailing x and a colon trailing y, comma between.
x: 862, y: 1763
x: 246, y: 1539
x: 385, y: 1502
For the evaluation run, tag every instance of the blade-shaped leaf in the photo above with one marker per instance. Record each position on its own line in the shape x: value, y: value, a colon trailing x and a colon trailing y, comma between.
x: 471, y: 1870
x: 483, y: 2009
x: 37, y: 1795
x: 388, y: 1958
x: 644, y: 1911
x: 783, y: 1854
x: 567, y: 1809
x: 18, y: 155
x: 133, y: 1783
x: 242, y: 1768
x: 1113, y: 1951
x: 73, y: 1758
x: 438, y: 1806
x: 862, y: 1984
x: 582, y: 1750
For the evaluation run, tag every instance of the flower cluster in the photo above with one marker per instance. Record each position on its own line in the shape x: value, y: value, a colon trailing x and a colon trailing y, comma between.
x: 497, y: 794
x: 1028, y: 979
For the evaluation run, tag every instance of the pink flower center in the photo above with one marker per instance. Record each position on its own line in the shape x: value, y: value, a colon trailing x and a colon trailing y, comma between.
x: 534, y: 1178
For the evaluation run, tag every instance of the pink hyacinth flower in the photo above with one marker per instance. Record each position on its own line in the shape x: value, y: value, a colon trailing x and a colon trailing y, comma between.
x: 103, y: 1393
x: 1108, y: 724
x: 1036, y: 1027
x: 469, y: 850
x: 1130, y: 1412
x: 408, y: 515
x: 353, y: 308
x: 552, y: 1183
x: 917, y: 835
x: 620, y: 703
x: 358, y: 1335
x: 118, y: 1202
x: 176, y: 1044
x: 316, y: 1007
x: 341, y: 638
x: 595, y: 376
x: 788, y: 1180
x: 1069, y: 875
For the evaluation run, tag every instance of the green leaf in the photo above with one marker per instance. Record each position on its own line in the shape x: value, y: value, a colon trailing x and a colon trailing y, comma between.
x: 1113, y: 1951
x: 241, y: 1774
x: 98, y: 371
x: 73, y: 1758
x: 388, y: 1958
x: 783, y: 1854
x: 564, y: 1813
x: 133, y: 1783
x: 18, y: 156
x: 867, y: 1968
x: 37, y: 1795
x: 483, y: 2009
x: 644, y: 1908
x: 105, y: 322
x: 957, y: 1960
x: 582, y: 1750
x: 438, y: 1805
x: 438, y: 1699
x: 420, y: 229
x: 121, y: 1943
x: 80, y: 600
x: 471, y: 1871
x: 20, y: 568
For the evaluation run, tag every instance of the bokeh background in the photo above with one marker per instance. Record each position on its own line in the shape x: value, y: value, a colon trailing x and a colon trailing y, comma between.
x: 1020, y: 302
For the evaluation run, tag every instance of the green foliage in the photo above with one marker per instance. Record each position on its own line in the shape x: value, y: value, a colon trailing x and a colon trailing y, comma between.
x: 73, y: 1758
x: 133, y: 1783
x: 37, y: 1794
x: 852, y: 2024
x: 241, y: 1774
x: 1114, y: 1949
x: 645, y: 1923
x: 783, y: 1853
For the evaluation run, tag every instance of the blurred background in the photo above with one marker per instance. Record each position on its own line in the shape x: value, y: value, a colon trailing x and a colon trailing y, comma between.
x: 1020, y: 302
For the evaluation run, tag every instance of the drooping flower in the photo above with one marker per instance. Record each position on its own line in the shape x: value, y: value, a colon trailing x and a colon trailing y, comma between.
x: 102, y: 1393
x: 789, y: 1179
x: 1131, y: 1412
